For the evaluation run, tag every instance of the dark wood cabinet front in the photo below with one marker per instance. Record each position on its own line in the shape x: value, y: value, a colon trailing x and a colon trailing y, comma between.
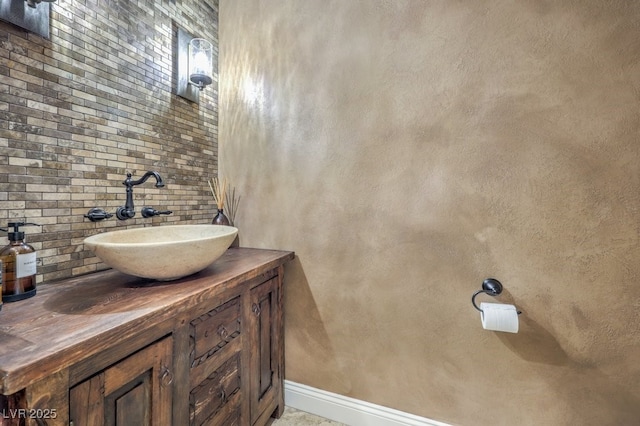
x: 135, y: 391
x: 205, y: 350
x: 267, y: 355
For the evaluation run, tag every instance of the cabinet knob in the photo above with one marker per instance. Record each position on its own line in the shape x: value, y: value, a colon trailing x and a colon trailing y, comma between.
x: 222, y: 332
x: 167, y: 377
x: 223, y: 395
x: 255, y: 308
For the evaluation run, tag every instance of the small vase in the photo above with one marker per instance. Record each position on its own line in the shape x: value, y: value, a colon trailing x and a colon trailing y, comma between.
x: 221, y: 219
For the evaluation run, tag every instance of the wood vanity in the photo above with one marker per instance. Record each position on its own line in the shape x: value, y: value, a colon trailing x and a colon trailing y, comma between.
x: 112, y: 349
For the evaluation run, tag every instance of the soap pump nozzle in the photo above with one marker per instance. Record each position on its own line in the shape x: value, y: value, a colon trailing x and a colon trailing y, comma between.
x: 16, y: 235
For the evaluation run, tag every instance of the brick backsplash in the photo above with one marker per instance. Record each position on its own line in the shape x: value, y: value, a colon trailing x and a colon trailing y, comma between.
x: 95, y: 101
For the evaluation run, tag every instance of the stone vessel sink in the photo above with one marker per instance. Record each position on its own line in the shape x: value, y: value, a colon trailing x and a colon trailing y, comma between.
x: 162, y: 252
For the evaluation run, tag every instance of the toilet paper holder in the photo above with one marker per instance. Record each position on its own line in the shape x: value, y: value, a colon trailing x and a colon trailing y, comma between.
x: 490, y: 286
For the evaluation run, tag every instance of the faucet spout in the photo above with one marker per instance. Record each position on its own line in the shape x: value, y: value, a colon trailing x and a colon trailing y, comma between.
x: 159, y: 182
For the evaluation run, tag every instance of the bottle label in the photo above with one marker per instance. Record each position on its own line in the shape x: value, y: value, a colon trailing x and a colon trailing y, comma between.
x: 25, y: 265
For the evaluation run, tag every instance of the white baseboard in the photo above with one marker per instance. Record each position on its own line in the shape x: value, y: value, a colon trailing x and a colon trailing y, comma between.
x: 350, y: 411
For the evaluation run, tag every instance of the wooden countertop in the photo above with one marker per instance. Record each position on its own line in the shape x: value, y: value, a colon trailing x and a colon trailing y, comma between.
x: 70, y: 320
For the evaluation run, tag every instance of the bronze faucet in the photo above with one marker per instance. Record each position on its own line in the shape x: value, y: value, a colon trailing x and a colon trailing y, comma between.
x: 128, y: 210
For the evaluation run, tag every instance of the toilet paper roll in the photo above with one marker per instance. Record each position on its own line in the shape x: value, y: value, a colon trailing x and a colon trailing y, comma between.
x: 499, y: 317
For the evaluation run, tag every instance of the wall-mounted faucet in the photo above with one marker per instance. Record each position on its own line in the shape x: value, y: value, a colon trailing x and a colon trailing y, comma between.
x: 128, y: 210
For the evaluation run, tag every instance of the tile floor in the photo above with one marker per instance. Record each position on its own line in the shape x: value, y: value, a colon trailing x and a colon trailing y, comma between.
x: 292, y: 417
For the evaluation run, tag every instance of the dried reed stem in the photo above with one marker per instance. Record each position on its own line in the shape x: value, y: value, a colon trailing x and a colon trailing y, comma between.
x: 219, y: 191
x: 232, y: 204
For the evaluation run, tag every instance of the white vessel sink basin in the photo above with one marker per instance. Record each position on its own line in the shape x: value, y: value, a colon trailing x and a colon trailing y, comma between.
x: 162, y: 252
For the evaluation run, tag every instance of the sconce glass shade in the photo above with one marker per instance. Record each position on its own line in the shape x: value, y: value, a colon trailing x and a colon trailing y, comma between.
x: 200, y: 62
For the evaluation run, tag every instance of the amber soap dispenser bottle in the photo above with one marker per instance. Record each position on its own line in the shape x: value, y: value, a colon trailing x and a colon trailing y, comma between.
x: 18, y: 265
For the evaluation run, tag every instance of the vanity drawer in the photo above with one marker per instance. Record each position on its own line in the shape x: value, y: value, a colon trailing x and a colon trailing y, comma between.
x: 231, y: 417
x: 218, y: 396
x: 213, y: 330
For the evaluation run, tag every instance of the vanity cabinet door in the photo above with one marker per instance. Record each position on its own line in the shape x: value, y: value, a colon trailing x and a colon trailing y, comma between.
x: 135, y: 391
x: 216, y: 384
x: 267, y: 351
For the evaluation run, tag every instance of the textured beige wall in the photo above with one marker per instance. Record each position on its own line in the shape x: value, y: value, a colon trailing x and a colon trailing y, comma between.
x: 408, y: 149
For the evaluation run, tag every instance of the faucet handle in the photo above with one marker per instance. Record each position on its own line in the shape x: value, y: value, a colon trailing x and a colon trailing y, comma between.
x: 150, y: 212
x: 96, y: 214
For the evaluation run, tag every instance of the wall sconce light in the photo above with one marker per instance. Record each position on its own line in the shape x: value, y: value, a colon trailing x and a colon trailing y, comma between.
x: 26, y: 14
x: 195, y: 66
x: 34, y: 3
